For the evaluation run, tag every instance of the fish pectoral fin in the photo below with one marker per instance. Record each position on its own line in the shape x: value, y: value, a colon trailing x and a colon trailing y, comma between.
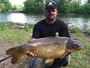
x: 49, y: 60
x: 64, y: 54
x: 16, y: 57
x: 68, y: 52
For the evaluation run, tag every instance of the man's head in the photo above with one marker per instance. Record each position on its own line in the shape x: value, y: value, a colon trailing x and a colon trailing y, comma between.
x: 51, y: 4
x: 51, y: 11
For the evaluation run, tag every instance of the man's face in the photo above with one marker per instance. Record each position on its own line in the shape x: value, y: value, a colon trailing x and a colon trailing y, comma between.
x: 51, y: 14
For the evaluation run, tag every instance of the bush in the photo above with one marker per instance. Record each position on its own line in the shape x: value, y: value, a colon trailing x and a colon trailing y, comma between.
x: 86, y: 8
x: 87, y: 32
x: 28, y: 27
x: 4, y: 26
x: 75, y: 30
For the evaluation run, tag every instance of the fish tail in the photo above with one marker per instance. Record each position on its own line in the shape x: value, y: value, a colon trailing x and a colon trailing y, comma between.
x: 12, y: 51
x: 16, y: 57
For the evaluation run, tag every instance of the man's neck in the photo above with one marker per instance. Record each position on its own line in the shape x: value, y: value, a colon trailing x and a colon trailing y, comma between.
x: 50, y: 21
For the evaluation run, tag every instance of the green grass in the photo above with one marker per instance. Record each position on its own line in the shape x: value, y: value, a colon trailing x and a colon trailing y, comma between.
x: 15, y: 36
x: 87, y: 32
x: 81, y: 59
x: 28, y: 27
x: 12, y: 34
x: 4, y: 26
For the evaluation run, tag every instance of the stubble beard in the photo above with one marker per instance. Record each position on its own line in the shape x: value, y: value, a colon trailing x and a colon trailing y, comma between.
x: 50, y: 18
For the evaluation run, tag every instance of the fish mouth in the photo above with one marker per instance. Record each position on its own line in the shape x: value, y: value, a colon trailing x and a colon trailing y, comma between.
x: 77, y: 49
x: 80, y: 48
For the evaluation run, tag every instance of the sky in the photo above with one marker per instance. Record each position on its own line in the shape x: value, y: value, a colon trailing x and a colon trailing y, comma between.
x: 17, y: 2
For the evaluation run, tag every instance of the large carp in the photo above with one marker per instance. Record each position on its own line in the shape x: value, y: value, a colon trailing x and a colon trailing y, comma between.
x: 49, y: 47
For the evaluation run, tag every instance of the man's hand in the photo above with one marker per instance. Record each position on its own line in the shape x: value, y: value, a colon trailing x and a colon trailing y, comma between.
x: 69, y: 52
x: 31, y: 54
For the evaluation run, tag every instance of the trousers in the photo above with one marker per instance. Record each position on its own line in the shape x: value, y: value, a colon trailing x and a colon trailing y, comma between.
x: 57, y: 63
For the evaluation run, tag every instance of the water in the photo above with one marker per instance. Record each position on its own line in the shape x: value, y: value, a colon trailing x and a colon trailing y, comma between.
x: 19, y: 18
x: 73, y: 20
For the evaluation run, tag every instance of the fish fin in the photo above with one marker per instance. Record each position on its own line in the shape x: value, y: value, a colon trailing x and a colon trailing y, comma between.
x: 11, y: 51
x: 69, y: 52
x: 57, y: 34
x: 66, y: 53
x: 16, y: 57
x: 48, y: 60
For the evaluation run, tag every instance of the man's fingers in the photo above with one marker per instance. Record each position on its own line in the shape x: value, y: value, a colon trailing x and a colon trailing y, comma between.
x: 69, y: 52
x: 32, y: 54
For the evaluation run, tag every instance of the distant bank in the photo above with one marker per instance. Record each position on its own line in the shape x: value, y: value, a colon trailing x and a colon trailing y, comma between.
x: 17, y: 11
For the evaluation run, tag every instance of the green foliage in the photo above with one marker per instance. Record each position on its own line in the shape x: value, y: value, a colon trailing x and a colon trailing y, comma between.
x: 77, y: 8
x: 88, y: 1
x: 2, y: 7
x: 15, y: 36
x: 5, y: 6
x: 63, y: 6
x: 87, y: 32
x: 33, y: 6
x: 17, y: 7
x: 10, y: 25
x: 75, y: 30
x: 4, y: 26
x: 14, y: 7
x: 28, y: 27
x: 86, y: 8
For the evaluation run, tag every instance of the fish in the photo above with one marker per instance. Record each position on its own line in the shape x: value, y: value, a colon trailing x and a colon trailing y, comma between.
x: 48, y: 47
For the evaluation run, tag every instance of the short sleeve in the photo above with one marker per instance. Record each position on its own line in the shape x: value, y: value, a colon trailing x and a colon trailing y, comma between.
x: 64, y: 31
x: 36, y: 32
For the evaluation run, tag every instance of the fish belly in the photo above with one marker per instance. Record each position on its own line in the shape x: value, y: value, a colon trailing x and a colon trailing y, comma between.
x: 49, y: 51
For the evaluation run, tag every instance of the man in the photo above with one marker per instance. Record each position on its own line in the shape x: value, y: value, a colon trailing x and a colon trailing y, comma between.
x: 48, y: 28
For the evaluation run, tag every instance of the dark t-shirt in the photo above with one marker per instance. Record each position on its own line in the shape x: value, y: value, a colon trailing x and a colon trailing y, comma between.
x: 43, y: 29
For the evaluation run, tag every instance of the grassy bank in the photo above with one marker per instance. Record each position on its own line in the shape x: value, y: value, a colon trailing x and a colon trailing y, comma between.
x: 11, y: 37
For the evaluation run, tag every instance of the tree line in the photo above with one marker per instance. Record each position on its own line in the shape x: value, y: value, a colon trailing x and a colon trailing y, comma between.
x: 38, y: 6
x: 63, y: 6
x: 6, y: 7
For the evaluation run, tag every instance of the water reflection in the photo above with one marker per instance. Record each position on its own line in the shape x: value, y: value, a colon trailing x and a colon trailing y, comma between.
x: 17, y: 17
x: 80, y: 21
x: 20, y: 18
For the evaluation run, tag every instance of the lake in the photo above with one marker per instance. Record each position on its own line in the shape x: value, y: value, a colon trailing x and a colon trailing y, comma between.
x: 73, y: 20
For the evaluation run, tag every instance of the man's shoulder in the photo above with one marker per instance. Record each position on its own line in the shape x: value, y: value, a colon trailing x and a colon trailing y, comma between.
x: 60, y: 22
x: 40, y: 22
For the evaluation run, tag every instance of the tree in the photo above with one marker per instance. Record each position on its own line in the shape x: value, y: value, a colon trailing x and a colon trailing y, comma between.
x: 88, y: 1
x: 63, y: 6
x: 5, y: 6
x: 33, y: 6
